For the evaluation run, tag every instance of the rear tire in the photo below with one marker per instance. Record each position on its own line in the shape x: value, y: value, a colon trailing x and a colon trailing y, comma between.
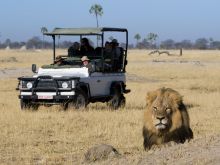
x: 117, y: 101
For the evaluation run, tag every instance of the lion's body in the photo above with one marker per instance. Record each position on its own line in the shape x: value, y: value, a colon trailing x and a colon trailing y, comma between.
x: 165, y: 118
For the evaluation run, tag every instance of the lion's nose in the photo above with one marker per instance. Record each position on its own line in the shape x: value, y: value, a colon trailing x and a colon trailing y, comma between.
x: 160, y: 118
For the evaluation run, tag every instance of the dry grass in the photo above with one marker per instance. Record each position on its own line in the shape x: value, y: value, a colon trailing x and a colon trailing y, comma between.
x: 53, y: 136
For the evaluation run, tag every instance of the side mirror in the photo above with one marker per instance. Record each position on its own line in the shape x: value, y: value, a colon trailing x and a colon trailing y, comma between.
x: 34, y: 68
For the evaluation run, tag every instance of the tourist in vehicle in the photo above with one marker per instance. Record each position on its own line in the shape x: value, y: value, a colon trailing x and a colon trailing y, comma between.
x: 58, y: 61
x: 108, y: 50
x: 74, y: 50
x: 85, y: 63
x: 108, y: 56
x: 116, y: 55
x: 86, y: 48
x: 115, y: 48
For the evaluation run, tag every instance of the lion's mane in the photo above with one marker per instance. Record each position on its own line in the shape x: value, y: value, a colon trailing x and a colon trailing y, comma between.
x: 165, y: 118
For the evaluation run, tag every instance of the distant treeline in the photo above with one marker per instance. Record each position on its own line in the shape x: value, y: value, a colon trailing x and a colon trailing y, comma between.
x: 201, y: 43
x: 38, y: 43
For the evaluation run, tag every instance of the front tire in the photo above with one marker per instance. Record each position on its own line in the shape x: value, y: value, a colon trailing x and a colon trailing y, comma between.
x: 24, y: 104
x: 81, y: 100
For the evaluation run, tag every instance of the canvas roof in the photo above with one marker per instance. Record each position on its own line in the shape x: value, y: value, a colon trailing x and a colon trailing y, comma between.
x: 83, y: 31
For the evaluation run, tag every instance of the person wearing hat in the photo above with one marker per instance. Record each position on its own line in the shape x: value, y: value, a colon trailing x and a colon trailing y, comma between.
x: 86, y: 48
x: 116, y: 51
x: 85, y: 60
x: 58, y: 60
x: 115, y: 42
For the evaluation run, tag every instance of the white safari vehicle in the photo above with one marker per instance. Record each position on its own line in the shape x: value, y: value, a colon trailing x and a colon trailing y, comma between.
x: 71, y: 85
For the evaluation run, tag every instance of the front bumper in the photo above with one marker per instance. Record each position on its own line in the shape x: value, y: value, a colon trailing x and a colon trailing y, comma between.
x: 45, y: 97
x: 46, y: 89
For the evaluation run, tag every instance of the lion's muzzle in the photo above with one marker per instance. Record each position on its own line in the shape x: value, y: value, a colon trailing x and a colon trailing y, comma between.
x: 160, y: 123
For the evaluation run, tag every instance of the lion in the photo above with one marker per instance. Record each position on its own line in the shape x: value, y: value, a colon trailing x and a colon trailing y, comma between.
x: 165, y: 119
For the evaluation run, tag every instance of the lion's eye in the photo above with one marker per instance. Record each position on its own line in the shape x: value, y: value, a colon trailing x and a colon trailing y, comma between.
x: 155, y: 108
x: 168, y: 110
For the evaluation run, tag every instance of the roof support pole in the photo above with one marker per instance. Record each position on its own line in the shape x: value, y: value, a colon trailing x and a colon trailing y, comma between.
x: 53, y: 36
x: 126, y: 51
x: 102, y: 38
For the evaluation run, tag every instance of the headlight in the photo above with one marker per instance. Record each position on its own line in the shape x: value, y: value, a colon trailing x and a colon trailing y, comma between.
x: 64, y: 85
x: 73, y: 84
x: 29, y: 85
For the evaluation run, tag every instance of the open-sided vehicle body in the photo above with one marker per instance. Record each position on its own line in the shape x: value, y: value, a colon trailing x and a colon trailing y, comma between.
x: 70, y: 84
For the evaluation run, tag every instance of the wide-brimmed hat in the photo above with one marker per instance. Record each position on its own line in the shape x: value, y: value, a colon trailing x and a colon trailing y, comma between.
x: 58, y: 58
x: 115, y: 41
x: 84, y: 58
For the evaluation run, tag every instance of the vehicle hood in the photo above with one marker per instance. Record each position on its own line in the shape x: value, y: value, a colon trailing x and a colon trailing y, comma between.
x: 76, y: 72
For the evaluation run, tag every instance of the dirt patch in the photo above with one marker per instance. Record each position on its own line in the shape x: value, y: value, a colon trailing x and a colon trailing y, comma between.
x: 202, y: 151
x: 10, y: 59
x: 136, y: 78
x: 198, y: 63
x: 204, y: 89
x: 199, y: 151
x: 14, y: 72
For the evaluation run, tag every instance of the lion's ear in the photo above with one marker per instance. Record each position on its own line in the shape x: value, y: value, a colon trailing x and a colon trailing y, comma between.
x: 151, y: 96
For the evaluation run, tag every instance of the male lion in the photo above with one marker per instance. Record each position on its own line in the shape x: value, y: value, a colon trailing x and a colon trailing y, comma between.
x: 165, y: 118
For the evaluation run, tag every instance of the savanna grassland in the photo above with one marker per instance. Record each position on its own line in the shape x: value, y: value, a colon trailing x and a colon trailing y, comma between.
x: 53, y: 136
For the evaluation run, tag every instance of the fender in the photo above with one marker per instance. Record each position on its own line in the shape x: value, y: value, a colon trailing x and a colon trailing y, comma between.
x: 119, y: 85
x: 85, y: 87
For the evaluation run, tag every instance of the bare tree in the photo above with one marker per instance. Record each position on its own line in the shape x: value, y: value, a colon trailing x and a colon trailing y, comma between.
x: 152, y: 37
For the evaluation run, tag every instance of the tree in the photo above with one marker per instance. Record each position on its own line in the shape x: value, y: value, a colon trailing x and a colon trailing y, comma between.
x: 201, y: 43
x: 7, y: 42
x: 137, y: 37
x: 34, y: 42
x: 144, y: 44
x: 168, y: 44
x: 215, y: 45
x: 97, y: 10
x: 152, y: 37
x: 186, y: 44
x: 43, y: 30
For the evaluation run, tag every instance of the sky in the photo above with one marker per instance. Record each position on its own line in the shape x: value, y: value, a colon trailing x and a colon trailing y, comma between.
x: 176, y: 19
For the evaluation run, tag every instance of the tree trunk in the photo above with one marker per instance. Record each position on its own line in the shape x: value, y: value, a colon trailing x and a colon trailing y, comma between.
x: 97, y: 23
x: 181, y: 51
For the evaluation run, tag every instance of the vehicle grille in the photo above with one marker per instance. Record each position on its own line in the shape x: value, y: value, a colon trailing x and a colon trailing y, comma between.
x: 46, y: 84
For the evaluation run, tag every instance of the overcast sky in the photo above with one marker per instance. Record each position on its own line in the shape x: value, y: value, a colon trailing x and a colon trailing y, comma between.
x: 176, y: 19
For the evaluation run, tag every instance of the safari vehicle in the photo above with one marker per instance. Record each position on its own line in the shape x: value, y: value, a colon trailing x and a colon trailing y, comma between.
x: 71, y: 85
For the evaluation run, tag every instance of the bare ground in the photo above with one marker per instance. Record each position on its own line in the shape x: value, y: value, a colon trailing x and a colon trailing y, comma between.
x: 198, y: 151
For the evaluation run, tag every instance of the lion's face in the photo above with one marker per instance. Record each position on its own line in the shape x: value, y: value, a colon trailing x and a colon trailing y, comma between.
x: 161, y: 114
x: 163, y: 107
